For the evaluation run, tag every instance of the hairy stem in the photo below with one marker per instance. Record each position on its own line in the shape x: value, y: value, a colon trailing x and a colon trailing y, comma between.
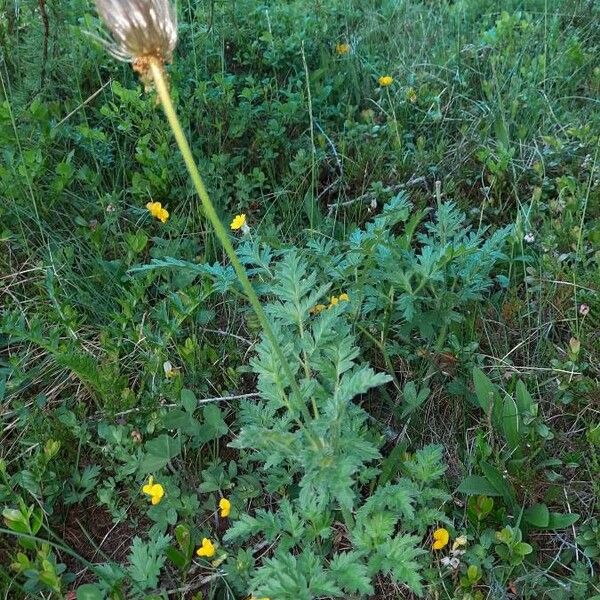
x: 157, y: 71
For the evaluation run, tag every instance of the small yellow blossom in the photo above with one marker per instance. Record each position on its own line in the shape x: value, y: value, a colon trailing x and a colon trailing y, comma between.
x: 157, y: 211
x: 334, y: 300
x: 385, y: 80
x: 459, y: 542
x: 411, y: 95
x: 207, y: 548
x: 264, y: 598
x: 319, y: 308
x: 154, y: 490
x: 440, y: 538
x: 342, y: 48
x: 225, y: 507
x: 238, y: 222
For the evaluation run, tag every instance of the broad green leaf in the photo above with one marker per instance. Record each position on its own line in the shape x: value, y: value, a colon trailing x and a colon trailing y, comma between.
x: 524, y: 401
x: 90, y: 591
x: 537, y: 515
x: 510, y: 422
x: 496, y: 479
x: 475, y: 485
x: 487, y: 393
x: 562, y: 520
x: 159, y: 452
x: 188, y: 400
x: 214, y: 425
x: 176, y: 557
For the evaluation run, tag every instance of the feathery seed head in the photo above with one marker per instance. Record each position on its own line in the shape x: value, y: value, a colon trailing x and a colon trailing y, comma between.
x: 142, y: 30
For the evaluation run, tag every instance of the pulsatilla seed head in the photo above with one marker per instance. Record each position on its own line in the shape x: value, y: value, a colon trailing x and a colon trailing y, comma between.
x: 142, y: 30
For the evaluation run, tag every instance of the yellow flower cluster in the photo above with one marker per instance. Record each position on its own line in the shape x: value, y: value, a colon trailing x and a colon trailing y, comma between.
x: 207, y: 549
x: 225, y: 507
x: 154, y: 490
x: 333, y: 301
x: 238, y: 222
x: 385, y: 80
x: 157, y: 211
x: 342, y: 48
x: 441, y: 537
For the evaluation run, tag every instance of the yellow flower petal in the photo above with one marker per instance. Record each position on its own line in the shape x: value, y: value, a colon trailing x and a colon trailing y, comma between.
x: 225, y: 507
x: 157, y: 493
x: 207, y: 548
x: 146, y: 489
x: 154, y: 490
x: 459, y: 542
x: 238, y: 222
x: 343, y: 297
x: 157, y: 211
x: 163, y: 215
x: 385, y: 80
x: 315, y: 310
x: 333, y: 301
x: 440, y: 538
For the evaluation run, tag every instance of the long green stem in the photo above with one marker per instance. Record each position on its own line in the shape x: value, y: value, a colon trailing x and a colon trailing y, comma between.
x: 209, y: 209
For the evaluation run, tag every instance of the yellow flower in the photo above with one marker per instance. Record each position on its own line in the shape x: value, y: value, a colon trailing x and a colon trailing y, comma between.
x: 154, y: 490
x: 342, y: 48
x: 459, y: 542
x: 344, y: 297
x: 238, y: 222
x: 385, y: 80
x: 157, y: 211
x: 225, y: 507
x: 440, y: 538
x: 411, y: 95
x: 333, y: 301
x: 207, y: 548
x: 315, y: 310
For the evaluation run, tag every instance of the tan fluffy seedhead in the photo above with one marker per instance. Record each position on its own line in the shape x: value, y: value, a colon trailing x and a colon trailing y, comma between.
x: 142, y: 30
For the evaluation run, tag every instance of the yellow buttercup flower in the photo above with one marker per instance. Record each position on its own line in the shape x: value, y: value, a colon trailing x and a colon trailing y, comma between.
x: 440, y: 538
x: 154, y: 490
x: 385, y: 80
x: 238, y: 222
x: 157, y: 211
x: 333, y: 301
x: 207, y: 549
x: 343, y: 297
x: 342, y: 48
x: 225, y: 507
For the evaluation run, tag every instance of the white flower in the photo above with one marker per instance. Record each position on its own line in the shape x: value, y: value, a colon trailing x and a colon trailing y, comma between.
x: 450, y: 562
x: 529, y: 238
x: 141, y: 29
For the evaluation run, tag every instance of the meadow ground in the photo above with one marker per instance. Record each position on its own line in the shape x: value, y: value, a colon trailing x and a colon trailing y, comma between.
x: 413, y: 188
